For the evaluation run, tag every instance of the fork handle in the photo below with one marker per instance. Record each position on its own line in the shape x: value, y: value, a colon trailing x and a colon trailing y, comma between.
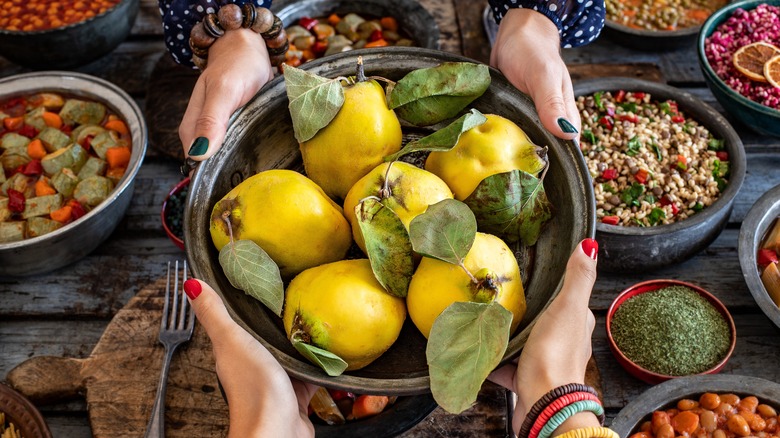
x: 156, y: 426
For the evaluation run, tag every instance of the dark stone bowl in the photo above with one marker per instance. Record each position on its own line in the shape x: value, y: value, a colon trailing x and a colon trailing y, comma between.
x: 72, y: 45
x: 755, y: 226
x: 651, y: 40
x: 637, y: 249
x: 260, y: 137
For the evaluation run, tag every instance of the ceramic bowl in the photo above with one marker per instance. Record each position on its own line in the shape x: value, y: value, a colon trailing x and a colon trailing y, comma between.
x: 166, y: 211
x: 755, y: 226
x: 72, y: 45
x: 666, y: 395
x: 650, y: 40
x: 80, y: 237
x: 757, y: 117
x: 22, y: 413
x: 648, y: 287
x: 638, y: 249
x: 260, y: 137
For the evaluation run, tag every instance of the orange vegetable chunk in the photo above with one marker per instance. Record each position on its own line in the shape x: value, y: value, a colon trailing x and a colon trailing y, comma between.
x: 118, y: 157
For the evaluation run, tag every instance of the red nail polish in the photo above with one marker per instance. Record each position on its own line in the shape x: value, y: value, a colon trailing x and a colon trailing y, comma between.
x: 591, y: 248
x: 192, y: 288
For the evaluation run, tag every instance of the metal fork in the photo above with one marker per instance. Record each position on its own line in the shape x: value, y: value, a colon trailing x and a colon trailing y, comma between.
x: 175, y: 329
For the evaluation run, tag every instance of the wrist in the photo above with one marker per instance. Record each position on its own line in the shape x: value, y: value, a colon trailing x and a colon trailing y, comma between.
x: 531, y: 23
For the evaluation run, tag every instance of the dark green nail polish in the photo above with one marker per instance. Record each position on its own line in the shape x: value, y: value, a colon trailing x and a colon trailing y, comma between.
x: 566, y: 126
x: 201, y: 145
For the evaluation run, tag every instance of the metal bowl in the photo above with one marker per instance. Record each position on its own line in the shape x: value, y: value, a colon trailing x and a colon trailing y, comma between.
x: 72, y: 45
x: 79, y: 238
x: 668, y: 393
x: 754, y: 228
x: 637, y: 249
x: 260, y: 137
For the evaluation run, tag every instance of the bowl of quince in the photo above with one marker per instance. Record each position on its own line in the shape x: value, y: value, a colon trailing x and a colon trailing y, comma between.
x: 389, y: 221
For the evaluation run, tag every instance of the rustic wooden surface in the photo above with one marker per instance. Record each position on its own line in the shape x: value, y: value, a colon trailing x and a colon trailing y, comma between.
x: 66, y: 312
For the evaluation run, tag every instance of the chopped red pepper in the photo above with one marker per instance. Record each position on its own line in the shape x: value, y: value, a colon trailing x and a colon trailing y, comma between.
x: 375, y: 36
x: 610, y: 220
x: 621, y: 95
x: 722, y: 155
x: 665, y: 200
x: 337, y: 394
x: 15, y: 200
x: 33, y: 168
x: 28, y: 131
x: 87, y: 142
x: 67, y: 129
x: 678, y: 119
x: 639, y: 95
x: 13, y: 172
x: 307, y: 22
x: 77, y: 210
x: 642, y: 175
x: 675, y: 209
x: 606, y: 122
x: 629, y: 118
x: 319, y: 47
x: 766, y: 256
x: 609, y: 174
x: 15, y: 107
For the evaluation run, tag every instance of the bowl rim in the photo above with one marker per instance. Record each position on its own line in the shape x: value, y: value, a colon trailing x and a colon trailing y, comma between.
x: 19, y: 33
x: 715, y: 20
x: 138, y: 151
x: 647, y: 33
x: 175, y: 189
x: 690, y: 104
x: 33, y: 419
x: 754, y: 227
x: 652, y: 286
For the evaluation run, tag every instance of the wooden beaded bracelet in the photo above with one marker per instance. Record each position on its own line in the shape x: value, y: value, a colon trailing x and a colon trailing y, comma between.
x: 548, y: 398
x: 232, y: 17
x: 590, y: 432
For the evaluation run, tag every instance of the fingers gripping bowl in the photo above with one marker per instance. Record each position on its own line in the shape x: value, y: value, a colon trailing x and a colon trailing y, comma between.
x: 261, y: 137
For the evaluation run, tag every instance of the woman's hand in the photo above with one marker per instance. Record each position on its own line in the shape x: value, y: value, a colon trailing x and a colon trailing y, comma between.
x: 527, y: 51
x: 559, y: 346
x: 238, y: 66
x: 262, y: 400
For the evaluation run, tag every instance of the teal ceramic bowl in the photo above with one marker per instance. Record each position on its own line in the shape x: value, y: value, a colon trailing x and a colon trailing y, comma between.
x: 760, y: 118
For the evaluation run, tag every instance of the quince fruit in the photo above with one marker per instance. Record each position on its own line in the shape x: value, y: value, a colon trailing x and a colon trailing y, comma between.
x: 287, y: 215
x: 341, y: 307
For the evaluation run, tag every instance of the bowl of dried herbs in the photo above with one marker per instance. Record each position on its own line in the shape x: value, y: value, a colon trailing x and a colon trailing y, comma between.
x: 662, y: 329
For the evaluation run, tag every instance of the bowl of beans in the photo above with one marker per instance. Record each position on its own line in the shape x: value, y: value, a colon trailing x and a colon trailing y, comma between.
x: 71, y: 147
x: 665, y: 168
x: 714, y: 406
x: 657, y: 25
x: 172, y: 214
x: 61, y: 34
x: 663, y: 329
x: 737, y: 28
x: 759, y: 251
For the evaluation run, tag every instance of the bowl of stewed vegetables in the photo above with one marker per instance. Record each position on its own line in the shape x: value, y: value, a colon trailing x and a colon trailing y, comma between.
x: 665, y: 169
x: 71, y: 147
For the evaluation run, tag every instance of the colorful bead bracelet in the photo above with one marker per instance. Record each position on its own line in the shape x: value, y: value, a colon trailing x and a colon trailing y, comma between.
x: 548, y: 398
x: 556, y: 406
x: 590, y: 432
x: 568, y: 411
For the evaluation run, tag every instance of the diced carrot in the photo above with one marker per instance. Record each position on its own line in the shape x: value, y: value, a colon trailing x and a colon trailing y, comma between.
x: 13, y: 123
x: 334, y: 19
x: 42, y: 188
x: 389, y: 23
x: 62, y: 214
x: 118, y: 126
x: 52, y: 119
x: 35, y: 149
x: 115, y: 173
x: 118, y: 156
x: 377, y: 43
x: 368, y: 405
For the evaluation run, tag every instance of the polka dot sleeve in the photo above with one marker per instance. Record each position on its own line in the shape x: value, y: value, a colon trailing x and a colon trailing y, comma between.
x: 178, y: 17
x: 579, y: 21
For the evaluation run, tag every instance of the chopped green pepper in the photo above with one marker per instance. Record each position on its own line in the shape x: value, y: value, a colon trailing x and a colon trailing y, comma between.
x: 633, y: 146
x: 656, y: 215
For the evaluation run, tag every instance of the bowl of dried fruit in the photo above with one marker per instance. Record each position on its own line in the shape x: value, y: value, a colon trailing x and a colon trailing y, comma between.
x: 172, y: 214
x: 739, y: 55
x: 663, y: 329
x: 665, y: 168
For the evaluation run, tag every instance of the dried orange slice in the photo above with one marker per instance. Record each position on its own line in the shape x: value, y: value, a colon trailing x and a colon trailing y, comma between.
x: 772, y: 71
x: 750, y: 59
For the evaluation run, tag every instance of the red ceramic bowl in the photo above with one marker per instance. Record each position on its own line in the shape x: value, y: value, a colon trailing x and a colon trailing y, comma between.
x: 164, y: 213
x: 650, y: 286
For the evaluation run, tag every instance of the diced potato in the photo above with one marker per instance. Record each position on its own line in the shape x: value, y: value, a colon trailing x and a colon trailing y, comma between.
x: 295, y: 31
x: 771, y: 280
x: 82, y: 132
x: 93, y: 166
x: 5, y: 212
x: 38, y: 226
x: 20, y: 182
x: 773, y: 239
x: 34, y: 118
x: 41, y: 205
x: 103, y: 141
x: 65, y: 182
x: 350, y: 23
x: 12, y: 141
x: 82, y: 112
x: 93, y: 190
x: 50, y: 101
x: 72, y: 157
x: 338, y: 44
x: 11, y: 160
x: 53, y: 139
x: 12, y: 231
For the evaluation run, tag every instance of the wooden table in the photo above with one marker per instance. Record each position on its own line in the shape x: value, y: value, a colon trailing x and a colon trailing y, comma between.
x: 65, y: 312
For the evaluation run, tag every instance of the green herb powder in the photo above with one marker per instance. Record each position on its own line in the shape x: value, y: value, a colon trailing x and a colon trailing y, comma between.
x: 672, y: 331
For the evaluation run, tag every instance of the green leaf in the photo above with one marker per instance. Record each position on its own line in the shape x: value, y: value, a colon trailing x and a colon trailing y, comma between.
x: 466, y: 343
x: 597, y: 100
x: 634, y: 144
x: 251, y: 269
x: 314, y: 101
x: 445, y: 231
x: 511, y: 205
x: 716, y: 145
x: 387, y: 245
x: 444, y: 139
x: 429, y: 95
x: 588, y: 135
x: 657, y: 151
x: 655, y: 216
x: 329, y: 362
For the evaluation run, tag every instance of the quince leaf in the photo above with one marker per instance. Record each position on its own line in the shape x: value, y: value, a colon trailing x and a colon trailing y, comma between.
x: 511, y: 205
x: 329, y: 362
x: 445, y: 231
x: 466, y: 343
x: 387, y: 245
x: 444, y: 139
x: 429, y: 95
x: 251, y: 269
x: 314, y: 101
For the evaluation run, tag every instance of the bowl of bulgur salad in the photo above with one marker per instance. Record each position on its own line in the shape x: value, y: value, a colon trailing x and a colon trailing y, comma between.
x: 751, y: 99
x: 665, y: 168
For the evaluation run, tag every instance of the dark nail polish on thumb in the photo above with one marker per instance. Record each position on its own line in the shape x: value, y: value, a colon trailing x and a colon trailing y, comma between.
x: 566, y: 126
x: 199, y: 147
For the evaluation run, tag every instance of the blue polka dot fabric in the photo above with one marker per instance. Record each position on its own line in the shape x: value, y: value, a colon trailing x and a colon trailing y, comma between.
x: 579, y: 21
x: 179, y: 16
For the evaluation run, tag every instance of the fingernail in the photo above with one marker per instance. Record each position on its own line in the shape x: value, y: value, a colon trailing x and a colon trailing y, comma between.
x: 589, y: 246
x: 566, y: 126
x: 192, y: 288
x: 201, y: 145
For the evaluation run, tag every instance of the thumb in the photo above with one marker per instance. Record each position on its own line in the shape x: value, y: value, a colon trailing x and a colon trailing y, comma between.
x: 550, y: 104
x: 580, y: 274
x: 210, y: 121
x: 210, y: 310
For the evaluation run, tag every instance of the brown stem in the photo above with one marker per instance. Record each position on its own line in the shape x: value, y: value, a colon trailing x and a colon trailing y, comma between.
x: 226, y: 218
x: 471, y: 276
x: 385, y: 191
x: 361, y: 74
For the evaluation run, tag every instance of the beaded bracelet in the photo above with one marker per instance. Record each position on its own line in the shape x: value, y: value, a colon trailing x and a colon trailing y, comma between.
x: 568, y: 411
x: 590, y: 432
x: 548, y: 398
x: 232, y: 17
x: 556, y: 406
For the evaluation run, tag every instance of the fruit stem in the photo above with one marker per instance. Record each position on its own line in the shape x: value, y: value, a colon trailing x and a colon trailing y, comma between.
x: 226, y: 218
x: 471, y: 276
x: 361, y: 74
x: 386, y: 192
